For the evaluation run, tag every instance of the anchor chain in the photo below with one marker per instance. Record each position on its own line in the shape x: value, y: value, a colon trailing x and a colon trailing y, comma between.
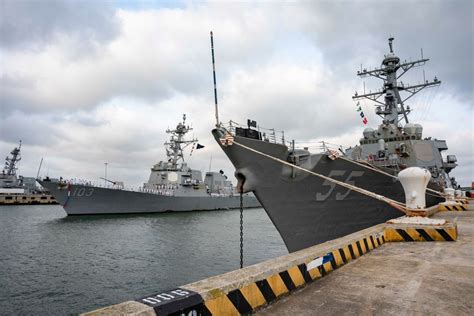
x: 241, y: 230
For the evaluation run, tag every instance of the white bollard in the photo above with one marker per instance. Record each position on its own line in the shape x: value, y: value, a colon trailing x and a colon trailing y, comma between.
x: 449, y: 194
x: 414, y: 181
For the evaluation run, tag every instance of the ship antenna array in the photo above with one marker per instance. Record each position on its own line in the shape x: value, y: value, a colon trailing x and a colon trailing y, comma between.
x: 215, y: 84
x: 394, y: 105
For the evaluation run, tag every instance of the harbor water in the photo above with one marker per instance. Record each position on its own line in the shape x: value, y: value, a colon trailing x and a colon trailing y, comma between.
x: 51, y: 264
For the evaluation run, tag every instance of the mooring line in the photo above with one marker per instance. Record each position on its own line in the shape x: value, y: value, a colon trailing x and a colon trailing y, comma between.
x: 398, y: 205
x: 369, y: 166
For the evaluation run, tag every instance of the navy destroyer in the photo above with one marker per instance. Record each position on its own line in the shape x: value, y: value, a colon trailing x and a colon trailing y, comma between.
x: 308, y: 209
x: 172, y: 186
x: 17, y: 189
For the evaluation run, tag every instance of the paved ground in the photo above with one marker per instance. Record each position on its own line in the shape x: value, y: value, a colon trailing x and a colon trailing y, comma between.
x: 417, y: 278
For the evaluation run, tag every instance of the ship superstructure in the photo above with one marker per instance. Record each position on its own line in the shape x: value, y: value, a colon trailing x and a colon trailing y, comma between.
x: 397, y: 146
x: 16, y: 189
x: 307, y: 209
x: 172, y: 186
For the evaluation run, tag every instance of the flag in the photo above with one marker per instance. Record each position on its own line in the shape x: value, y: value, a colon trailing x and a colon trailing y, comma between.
x: 362, y: 114
x: 365, y: 121
x: 251, y: 123
x: 199, y: 146
x: 359, y: 109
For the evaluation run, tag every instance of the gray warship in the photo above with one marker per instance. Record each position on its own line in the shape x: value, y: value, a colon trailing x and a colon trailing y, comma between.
x: 172, y: 186
x: 308, y: 210
x: 17, y: 189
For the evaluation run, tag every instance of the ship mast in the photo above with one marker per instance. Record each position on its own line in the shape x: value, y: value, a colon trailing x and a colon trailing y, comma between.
x: 10, y: 162
x: 392, y: 110
x: 177, y: 143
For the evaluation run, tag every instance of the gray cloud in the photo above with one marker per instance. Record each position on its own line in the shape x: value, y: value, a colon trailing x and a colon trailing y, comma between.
x: 32, y: 24
x: 351, y: 33
x: 290, y: 66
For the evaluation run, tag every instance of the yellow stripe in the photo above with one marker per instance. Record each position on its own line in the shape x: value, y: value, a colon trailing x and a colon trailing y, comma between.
x: 347, y: 253
x: 277, y: 285
x: 314, y: 273
x: 451, y: 231
x: 391, y: 235
x: 253, y: 295
x: 327, y: 266
x: 296, y: 276
x: 337, y: 258
x: 414, y: 234
x: 362, y: 246
x: 221, y: 306
x: 356, y: 250
x: 369, y: 242
x: 434, y: 234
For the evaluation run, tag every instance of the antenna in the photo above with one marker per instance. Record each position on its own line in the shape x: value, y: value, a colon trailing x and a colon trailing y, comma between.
x: 39, y: 168
x: 210, y: 163
x: 215, y: 85
x: 390, y: 44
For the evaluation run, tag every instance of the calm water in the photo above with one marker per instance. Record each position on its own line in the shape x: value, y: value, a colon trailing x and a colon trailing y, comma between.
x: 53, y: 264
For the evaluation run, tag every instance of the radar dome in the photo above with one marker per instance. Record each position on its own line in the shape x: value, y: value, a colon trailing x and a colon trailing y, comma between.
x: 368, y: 133
x: 418, y: 130
x: 409, y: 129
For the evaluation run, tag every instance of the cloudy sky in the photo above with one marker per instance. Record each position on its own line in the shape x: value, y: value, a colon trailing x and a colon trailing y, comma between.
x: 88, y: 82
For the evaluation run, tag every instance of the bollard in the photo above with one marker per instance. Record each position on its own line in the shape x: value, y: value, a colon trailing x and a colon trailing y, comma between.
x: 449, y: 194
x: 414, y: 181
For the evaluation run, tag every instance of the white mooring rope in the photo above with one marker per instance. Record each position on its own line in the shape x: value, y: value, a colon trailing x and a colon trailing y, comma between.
x: 398, y: 205
x: 368, y: 166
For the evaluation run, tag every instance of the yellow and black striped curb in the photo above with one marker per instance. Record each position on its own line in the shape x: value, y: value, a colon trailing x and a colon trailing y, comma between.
x: 452, y: 207
x: 238, y: 294
x: 255, y: 295
x: 251, y: 295
x: 448, y: 232
x: 462, y: 201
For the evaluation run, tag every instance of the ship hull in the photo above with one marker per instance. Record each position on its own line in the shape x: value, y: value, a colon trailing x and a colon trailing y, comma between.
x: 88, y: 200
x: 306, y: 209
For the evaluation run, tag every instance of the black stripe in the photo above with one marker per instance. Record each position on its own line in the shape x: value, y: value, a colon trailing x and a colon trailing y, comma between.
x: 343, y: 255
x: 379, y: 241
x: 449, y: 208
x: 239, y: 301
x: 266, y: 290
x: 404, y: 235
x: 305, y: 273
x: 425, y: 235
x: 333, y: 262
x: 322, y: 270
x: 200, y: 310
x: 352, y: 252
x: 373, y: 242
x: 285, y: 276
x: 383, y: 238
x: 445, y: 235
x: 366, y: 245
x: 463, y: 207
x: 359, y: 248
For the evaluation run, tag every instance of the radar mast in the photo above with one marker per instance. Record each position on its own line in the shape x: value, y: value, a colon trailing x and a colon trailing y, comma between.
x: 177, y: 143
x: 392, y: 109
x: 11, y: 161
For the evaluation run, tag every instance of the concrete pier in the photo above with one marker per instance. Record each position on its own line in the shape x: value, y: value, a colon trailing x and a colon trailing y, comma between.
x: 397, y: 267
x: 435, y: 278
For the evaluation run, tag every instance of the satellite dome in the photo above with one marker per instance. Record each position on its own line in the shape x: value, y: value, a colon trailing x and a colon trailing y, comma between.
x: 409, y: 129
x: 368, y: 133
